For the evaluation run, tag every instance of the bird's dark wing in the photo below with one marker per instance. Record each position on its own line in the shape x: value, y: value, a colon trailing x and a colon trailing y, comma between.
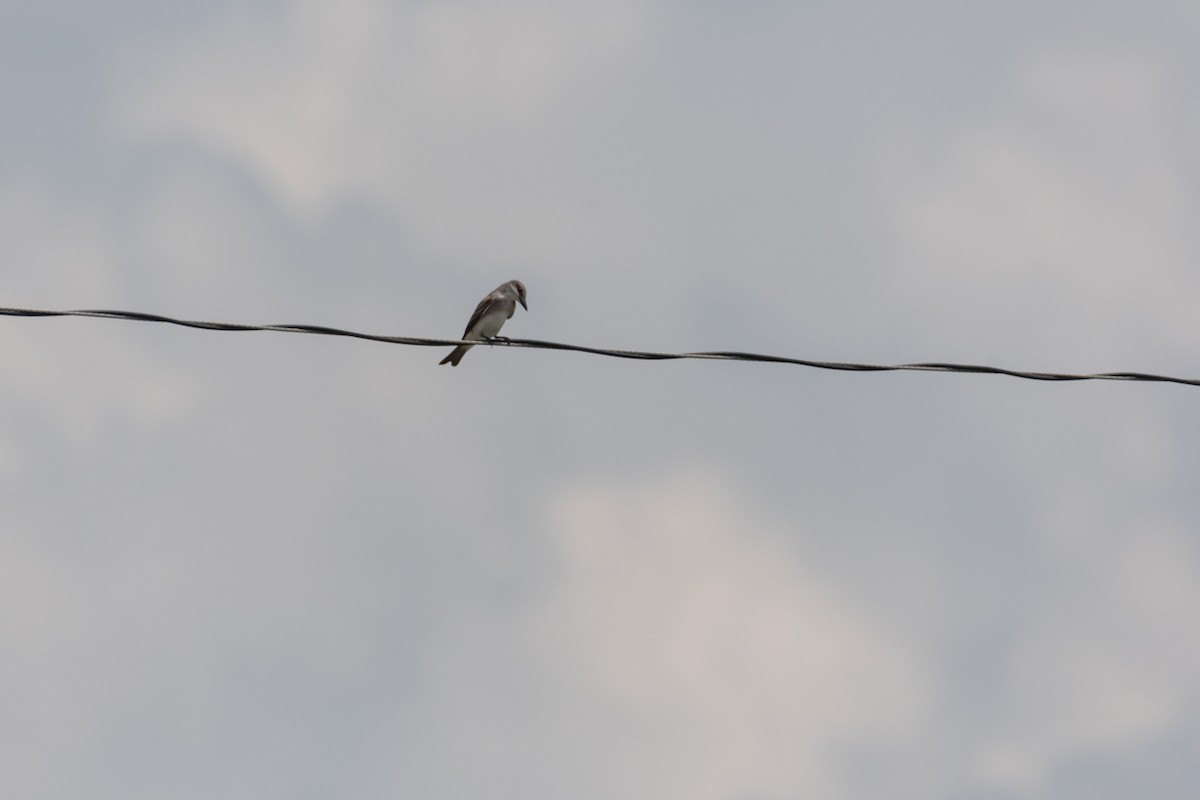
x: 480, y: 310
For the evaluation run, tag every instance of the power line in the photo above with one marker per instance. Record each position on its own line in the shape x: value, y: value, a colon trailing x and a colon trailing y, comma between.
x: 634, y: 354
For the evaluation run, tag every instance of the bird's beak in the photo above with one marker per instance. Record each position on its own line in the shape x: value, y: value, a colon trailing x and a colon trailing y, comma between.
x: 521, y: 300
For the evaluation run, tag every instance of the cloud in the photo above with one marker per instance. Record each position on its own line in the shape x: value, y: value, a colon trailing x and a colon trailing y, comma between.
x: 681, y: 639
x: 456, y: 116
x: 1109, y: 663
x: 258, y: 551
x: 1060, y: 204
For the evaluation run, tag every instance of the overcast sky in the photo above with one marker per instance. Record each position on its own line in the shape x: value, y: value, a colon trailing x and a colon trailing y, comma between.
x: 257, y: 565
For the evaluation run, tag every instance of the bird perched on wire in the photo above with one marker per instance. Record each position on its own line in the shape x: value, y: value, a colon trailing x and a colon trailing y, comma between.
x: 489, y: 317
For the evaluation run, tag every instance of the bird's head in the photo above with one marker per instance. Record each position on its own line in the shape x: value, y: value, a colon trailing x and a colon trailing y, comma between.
x: 518, y: 289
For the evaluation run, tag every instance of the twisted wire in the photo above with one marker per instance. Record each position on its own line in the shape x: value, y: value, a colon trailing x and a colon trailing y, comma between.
x: 720, y: 355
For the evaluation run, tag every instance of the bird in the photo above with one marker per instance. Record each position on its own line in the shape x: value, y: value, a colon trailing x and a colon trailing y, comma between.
x: 489, y: 317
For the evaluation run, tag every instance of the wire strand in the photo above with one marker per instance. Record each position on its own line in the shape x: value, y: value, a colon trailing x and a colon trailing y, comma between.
x: 600, y: 351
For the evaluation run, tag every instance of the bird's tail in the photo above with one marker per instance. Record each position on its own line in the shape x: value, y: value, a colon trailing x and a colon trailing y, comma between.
x: 456, y: 355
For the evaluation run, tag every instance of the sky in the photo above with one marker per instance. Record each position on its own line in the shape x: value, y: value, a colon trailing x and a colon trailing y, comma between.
x: 260, y: 565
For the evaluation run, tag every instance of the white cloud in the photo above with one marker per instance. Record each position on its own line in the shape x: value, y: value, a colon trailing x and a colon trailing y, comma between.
x: 1109, y: 663
x: 674, y: 645
x: 289, y: 565
x: 1060, y: 206
x: 691, y: 613
x: 66, y: 256
x: 450, y: 114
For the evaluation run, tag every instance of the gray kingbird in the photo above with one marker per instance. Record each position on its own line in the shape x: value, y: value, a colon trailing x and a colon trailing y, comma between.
x: 489, y: 317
